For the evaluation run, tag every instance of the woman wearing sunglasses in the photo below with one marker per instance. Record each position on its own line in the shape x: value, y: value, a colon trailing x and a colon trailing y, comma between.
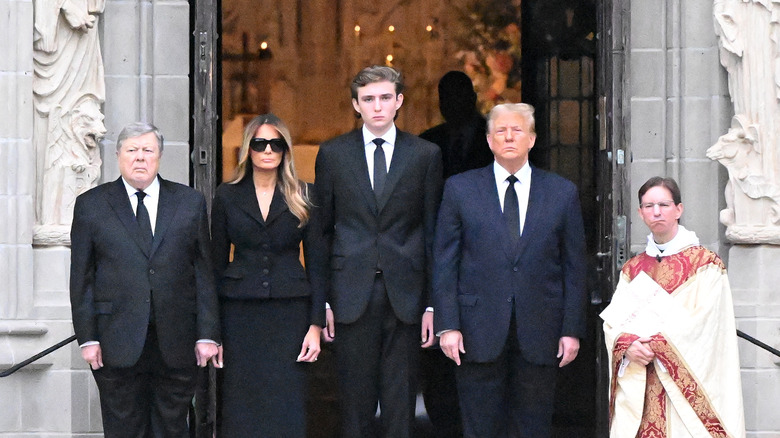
x: 272, y: 309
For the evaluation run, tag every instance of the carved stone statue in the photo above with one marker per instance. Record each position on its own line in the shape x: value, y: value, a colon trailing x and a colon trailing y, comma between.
x: 69, y: 88
x: 749, y: 40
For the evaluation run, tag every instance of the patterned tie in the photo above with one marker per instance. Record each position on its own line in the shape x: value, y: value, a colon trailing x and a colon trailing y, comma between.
x: 142, y: 217
x: 380, y: 167
x: 512, y: 209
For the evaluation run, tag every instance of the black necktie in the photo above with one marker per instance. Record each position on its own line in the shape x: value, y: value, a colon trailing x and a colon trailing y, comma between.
x: 512, y: 209
x: 142, y: 217
x: 380, y: 167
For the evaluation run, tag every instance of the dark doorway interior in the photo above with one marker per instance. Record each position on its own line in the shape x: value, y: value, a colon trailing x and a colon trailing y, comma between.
x: 559, y: 80
x: 555, y: 69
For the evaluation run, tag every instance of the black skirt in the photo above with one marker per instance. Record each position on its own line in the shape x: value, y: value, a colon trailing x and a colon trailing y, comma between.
x: 262, y: 387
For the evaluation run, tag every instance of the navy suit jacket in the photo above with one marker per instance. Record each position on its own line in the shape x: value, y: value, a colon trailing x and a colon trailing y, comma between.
x: 393, y: 233
x: 115, y: 281
x: 480, y: 277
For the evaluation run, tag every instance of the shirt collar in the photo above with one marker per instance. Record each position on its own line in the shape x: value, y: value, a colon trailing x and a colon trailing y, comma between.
x: 683, y: 239
x: 523, y: 175
x: 153, y: 191
x: 388, y: 137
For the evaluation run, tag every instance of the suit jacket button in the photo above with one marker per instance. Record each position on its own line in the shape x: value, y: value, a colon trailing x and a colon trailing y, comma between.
x: 151, y: 271
x: 266, y: 246
x: 265, y: 284
x: 266, y: 271
x: 509, y: 300
x: 515, y: 269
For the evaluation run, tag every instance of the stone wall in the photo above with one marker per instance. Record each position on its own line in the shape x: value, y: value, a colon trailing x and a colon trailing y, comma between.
x: 146, y: 79
x: 679, y: 105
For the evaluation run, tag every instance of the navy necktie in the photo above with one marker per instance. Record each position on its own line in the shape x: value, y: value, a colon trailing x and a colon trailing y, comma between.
x: 142, y: 217
x: 380, y: 167
x: 512, y: 209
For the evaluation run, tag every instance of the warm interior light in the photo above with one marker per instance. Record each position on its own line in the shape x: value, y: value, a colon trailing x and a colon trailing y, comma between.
x: 391, y: 28
x: 428, y: 28
x: 263, y: 45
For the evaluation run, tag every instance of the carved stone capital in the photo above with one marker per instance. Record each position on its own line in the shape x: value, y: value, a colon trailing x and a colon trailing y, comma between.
x: 51, y: 235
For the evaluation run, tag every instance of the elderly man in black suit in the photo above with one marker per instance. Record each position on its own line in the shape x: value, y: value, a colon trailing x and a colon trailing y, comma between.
x: 379, y: 189
x: 142, y: 291
x: 509, y: 282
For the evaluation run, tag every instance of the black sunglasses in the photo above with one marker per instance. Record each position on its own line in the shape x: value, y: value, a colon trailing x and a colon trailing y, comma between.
x: 259, y: 144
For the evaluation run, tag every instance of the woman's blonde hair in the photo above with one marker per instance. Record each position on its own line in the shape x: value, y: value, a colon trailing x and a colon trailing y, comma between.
x: 295, y: 193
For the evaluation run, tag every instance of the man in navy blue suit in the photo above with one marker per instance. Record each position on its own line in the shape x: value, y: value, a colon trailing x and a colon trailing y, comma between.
x: 509, y: 282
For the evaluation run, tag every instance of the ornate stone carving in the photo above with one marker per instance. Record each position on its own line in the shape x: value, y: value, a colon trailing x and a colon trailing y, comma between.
x: 749, y: 40
x: 68, y: 88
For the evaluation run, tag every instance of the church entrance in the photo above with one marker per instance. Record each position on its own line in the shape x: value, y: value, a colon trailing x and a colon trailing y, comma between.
x: 295, y: 58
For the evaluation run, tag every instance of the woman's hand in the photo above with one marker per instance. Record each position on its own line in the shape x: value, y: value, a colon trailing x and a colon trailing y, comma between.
x: 640, y: 352
x: 310, y: 348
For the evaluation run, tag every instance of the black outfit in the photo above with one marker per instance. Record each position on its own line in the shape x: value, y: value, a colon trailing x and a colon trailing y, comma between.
x: 380, y: 261
x: 464, y: 147
x: 463, y: 144
x: 147, y: 305
x: 268, y: 303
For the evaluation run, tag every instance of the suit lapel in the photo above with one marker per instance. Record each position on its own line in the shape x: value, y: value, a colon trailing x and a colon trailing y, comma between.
x: 120, y: 203
x: 166, y: 210
x: 534, y: 213
x: 248, y: 199
x: 494, y: 210
x: 278, y: 206
x: 402, y: 151
x: 355, y: 159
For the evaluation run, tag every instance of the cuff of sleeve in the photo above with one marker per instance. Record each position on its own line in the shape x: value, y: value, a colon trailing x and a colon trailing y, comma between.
x: 429, y: 309
x: 327, y: 305
x: 88, y: 343
x: 443, y: 332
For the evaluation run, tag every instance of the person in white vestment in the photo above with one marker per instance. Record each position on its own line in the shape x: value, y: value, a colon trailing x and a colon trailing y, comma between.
x: 674, y: 364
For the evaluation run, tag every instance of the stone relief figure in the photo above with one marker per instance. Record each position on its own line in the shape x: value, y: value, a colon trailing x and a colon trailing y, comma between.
x: 68, y: 88
x: 749, y: 40
x: 72, y: 161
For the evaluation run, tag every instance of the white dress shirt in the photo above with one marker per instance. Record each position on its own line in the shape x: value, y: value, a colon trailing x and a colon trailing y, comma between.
x: 522, y: 187
x: 151, y: 200
x: 388, y: 147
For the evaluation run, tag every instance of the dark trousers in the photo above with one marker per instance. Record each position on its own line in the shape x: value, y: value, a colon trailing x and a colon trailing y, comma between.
x: 148, y: 399
x: 376, y: 358
x: 509, y: 397
x: 440, y: 393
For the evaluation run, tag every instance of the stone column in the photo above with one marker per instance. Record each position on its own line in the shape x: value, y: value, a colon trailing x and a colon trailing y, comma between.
x: 45, y: 387
x: 749, y: 42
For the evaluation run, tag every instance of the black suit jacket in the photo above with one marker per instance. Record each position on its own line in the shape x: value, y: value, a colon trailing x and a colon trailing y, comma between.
x: 115, y: 281
x: 463, y: 145
x: 479, y: 273
x: 393, y: 233
x: 266, y: 260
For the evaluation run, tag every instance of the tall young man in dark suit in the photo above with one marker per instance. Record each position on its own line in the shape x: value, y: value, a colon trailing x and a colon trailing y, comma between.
x: 379, y: 190
x: 142, y: 291
x: 509, y: 283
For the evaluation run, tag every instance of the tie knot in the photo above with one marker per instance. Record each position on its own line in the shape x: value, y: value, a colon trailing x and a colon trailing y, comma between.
x: 378, y: 142
x: 512, y: 179
x: 140, y: 195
